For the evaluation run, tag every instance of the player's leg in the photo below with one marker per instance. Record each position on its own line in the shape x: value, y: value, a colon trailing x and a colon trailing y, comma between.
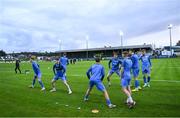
x: 109, y: 76
x: 102, y: 88
x: 33, y: 82
x: 67, y: 85
x: 136, y: 84
x: 91, y: 84
x: 65, y: 76
x: 130, y: 100
x: 16, y: 69
x: 108, y: 101
x: 19, y: 69
x: 118, y: 73
x: 145, y: 80
x: 145, y: 77
x: 53, y: 83
x: 136, y: 81
x: 148, y: 78
x: 128, y: 94
x: 127, y: 90
x: 40, y: 82
x: 129, y: 87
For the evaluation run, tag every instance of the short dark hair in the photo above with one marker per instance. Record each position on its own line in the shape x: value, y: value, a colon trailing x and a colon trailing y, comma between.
x: 143, y: 50
x: 64, y: 54
x: 135, y: 51
x: 32, y: 57
x: 126, y: 53
x: 97, y: 59
x: 115, y: 52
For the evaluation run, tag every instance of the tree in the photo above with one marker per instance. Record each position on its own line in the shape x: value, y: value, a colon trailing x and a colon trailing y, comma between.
x: 178, y: 43
x: 2, y: 53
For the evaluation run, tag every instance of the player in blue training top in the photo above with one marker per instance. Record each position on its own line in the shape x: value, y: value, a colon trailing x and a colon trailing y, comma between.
x: 126, y: 78
x: 114, y: 65
x: 37, y: 74
x: 96, y: 74
x: 59, y: 72
x: 146, y: 68
x: 135, y: 69
x: 64, y: 61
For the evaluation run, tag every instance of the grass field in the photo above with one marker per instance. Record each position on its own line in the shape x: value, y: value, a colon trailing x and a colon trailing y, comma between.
x: 16, y: 99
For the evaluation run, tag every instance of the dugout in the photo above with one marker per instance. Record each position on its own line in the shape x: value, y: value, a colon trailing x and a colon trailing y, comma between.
x: 105, y: 52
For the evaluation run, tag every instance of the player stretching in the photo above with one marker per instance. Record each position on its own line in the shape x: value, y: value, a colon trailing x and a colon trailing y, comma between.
x: 135, y: 70
x: 114, y: 65
x: 59, y: 72
x: 126, y: 78
x: 146, y: 66
x: 64, y: 61
x: 96, y: 74
x: 37, y: 73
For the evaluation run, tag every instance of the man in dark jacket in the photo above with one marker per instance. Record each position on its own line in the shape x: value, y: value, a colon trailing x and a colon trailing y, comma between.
x: 17, y: 66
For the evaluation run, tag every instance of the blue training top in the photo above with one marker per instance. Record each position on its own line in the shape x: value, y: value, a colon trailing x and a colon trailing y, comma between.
x: 127, y: 65
x: 64, y: 61
x: 59, y: 69
x: 146, y: 61
x: 35, y: 67
x: 115, y: 63
x: 96, y: 72
x: 135, y: 61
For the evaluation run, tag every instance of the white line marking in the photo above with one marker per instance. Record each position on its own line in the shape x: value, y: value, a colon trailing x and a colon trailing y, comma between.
x: 175, y: 81
x: 167, y: 67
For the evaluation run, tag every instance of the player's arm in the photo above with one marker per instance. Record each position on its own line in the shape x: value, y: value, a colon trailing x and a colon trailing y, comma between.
x: 109, y: 64
x: 122, y: 69
x: 36, y: 65
x: 88, y: 73
x: 103, y: 74
x: 120, y: 64
x: 64, y: 69
x: 60, y: 59
x: 132, y: 58
x: 140, y: 57
x: 54, y: 69
x: 149, y: 59
x: 67, y: 61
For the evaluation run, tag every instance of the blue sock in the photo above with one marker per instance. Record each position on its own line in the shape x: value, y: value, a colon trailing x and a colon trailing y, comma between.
x: 40, y: 82
x: 34, y: 81
x: 148, y: 79
x: 108, y: 101
x: 144, y: 80
x: 136, y: 83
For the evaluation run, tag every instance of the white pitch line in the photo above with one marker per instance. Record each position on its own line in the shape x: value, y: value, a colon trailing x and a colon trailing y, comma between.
x: 167, y: 67
x: 175, y: 81
x: 77, y: 75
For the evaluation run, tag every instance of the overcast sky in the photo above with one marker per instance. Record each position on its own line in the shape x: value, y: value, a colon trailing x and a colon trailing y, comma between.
x: 38, y: 25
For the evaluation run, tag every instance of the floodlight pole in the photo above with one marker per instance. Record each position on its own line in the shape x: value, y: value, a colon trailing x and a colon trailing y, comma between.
x: 60, y: 43
x: 121, y: 36
x: 170, y: 36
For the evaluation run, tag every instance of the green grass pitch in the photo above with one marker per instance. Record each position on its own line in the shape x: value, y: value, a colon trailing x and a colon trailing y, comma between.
x: 16, y: 99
